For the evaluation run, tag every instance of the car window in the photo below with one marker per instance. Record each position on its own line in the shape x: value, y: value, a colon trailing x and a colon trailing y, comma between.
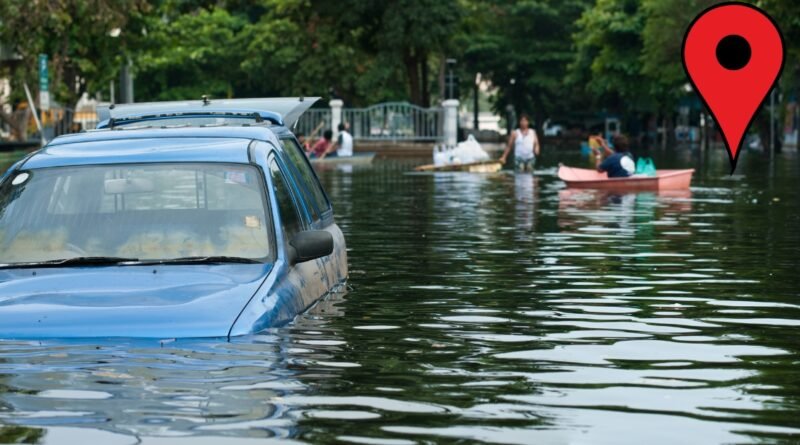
x: 144, y: 211
x: 188, y: 121
x: 290, y: 217
x: 306, y: 174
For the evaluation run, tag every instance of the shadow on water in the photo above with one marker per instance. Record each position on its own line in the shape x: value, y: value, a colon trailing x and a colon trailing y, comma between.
x: 499, y: 308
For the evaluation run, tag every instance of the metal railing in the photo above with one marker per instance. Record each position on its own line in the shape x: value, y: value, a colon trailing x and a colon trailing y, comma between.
x: 391, y: 121
x: 67, y: 120
x: 395, y: 121
x: 315, y: 120
x: 58, y: 121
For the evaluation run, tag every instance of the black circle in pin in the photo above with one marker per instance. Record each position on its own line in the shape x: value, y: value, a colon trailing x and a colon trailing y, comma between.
x: 733, y: 52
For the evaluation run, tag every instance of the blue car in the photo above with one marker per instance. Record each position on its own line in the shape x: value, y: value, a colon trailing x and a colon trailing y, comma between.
x: 178, y: 219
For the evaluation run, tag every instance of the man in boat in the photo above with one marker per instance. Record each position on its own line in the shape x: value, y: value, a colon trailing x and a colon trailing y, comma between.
x: 343, y: 145
x: 321, y: 147
x: 526, y: 146
x: 619, y: 164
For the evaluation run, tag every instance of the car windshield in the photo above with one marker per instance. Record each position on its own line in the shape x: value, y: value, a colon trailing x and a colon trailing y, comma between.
x: 134, y: 211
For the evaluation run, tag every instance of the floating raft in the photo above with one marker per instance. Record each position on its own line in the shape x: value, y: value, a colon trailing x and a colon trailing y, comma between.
x: 472, y: 167
x: 591, y: 179
x: 356, y: 159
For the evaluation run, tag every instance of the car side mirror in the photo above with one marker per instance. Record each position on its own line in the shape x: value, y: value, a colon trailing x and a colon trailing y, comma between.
x: 310, y: 245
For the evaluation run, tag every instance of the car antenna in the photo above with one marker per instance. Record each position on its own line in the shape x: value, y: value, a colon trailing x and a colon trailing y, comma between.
x: 205, y: 100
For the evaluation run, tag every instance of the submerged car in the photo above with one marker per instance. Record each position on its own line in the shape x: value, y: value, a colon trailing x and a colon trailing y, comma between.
x: 181, y: 219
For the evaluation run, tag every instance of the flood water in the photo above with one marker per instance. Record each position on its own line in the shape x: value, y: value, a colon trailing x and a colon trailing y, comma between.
x: 482, y: 308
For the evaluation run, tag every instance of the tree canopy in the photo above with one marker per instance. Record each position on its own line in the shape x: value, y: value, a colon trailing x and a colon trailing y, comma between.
x: 544, y: 57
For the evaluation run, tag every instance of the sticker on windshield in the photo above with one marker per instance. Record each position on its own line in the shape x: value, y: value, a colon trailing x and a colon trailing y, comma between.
x: 20, y: 178
x: 235, y: 177
x: 252, y: 222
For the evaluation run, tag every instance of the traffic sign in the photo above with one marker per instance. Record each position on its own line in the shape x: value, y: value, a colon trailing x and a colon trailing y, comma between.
x: 44, y: 84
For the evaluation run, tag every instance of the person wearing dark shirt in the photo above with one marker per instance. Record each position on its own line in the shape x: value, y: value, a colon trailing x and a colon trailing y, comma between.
x: 620, y: 164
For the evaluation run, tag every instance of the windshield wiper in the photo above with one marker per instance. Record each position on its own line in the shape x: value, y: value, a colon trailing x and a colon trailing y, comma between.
x: 76, y: 261
x: 204, y: 260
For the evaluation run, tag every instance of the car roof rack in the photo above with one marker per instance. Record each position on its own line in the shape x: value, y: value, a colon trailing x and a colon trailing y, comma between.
x: 258, y: 117
x: 287, y: 109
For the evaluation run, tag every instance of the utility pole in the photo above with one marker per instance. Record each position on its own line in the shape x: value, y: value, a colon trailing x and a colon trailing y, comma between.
x: 772, y: 124
x: 126, y: 83
x: 476, y: 104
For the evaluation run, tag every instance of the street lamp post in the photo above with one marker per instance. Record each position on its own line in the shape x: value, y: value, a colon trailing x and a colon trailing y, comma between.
x: 476, y: 105
x: 450, y: 83
x: 512, y: 114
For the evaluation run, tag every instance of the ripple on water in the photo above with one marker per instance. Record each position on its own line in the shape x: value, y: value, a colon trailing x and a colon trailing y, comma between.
x: 506, y: 310
x: 643, y: 351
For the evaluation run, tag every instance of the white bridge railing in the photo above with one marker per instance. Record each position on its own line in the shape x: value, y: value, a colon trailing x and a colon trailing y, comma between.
x: 394, y: 121
x: 391, y: 122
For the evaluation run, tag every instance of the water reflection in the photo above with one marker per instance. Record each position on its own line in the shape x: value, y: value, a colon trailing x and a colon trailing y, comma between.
x: 496, y: 308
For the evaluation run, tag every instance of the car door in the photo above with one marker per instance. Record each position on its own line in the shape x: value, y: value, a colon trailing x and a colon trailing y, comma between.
x: 334, y: 267
x: 303, y: 283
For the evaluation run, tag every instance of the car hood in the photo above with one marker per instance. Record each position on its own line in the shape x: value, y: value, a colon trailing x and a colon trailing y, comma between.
x: 165, y: 301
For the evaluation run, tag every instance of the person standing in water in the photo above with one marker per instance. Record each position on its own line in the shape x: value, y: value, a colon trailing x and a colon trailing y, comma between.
x: 526, y: 146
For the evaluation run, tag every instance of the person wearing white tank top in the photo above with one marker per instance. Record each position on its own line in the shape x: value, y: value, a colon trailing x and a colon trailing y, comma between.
x: 343, y: 146
x: 526, y: 146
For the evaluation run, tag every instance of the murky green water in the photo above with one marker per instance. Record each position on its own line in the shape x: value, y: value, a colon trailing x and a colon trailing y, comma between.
x: 495, y: 308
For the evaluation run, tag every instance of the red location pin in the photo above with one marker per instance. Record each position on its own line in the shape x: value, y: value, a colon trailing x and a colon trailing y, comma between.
x: 733, y: 54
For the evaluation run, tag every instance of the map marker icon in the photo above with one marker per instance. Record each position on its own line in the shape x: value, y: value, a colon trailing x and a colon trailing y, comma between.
x: 733, y: 54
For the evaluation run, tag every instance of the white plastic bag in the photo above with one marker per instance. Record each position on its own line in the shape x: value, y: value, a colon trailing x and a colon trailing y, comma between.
x: 439, y: 156
x: 465, y: 152
x: 470, y: 151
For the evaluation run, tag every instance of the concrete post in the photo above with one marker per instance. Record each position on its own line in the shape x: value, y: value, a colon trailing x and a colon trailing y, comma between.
x: 336, y: 116
x: 450, y: 122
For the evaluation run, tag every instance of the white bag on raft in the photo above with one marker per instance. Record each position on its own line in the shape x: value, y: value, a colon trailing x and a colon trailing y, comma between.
x: 465, y: 152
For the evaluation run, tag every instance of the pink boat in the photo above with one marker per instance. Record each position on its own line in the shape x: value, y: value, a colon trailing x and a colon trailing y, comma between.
x: 590, y: 179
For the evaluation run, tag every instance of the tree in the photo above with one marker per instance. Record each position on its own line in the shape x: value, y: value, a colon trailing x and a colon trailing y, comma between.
x: 629, y: 56
x: 666, y: 21
x: 186, y: 55
x: 405, y: 32
x: 787, y: 14
x: 76, y: 34
x: 521, y: 48
x: 608, y: 55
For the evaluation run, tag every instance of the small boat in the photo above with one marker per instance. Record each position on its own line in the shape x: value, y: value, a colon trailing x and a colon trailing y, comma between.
x: 591, y: 179
x: 472, y: 167
x: 356, y: 159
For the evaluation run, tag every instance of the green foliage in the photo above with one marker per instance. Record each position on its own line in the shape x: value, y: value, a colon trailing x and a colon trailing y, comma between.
x: 608, y: 61
x: 183, y: 56
x: 75, y: 34
x: 521, y: 47
x: 398, y: 36
x: 661, y: 56
x: 549, y: 58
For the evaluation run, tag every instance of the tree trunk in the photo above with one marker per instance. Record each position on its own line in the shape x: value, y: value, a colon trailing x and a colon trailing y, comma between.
x: 412, y: 71
x: 425, y: 81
